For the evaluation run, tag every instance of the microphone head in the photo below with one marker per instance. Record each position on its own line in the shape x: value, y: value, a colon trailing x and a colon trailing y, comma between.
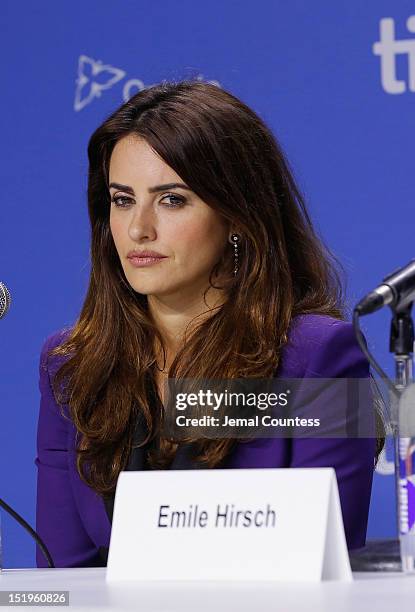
x: 5, y: 300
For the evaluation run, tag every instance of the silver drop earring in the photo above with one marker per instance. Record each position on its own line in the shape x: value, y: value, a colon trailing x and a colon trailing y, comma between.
x: 234, y: 240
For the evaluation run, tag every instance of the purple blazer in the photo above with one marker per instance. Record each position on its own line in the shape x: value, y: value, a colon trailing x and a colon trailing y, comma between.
x: 75, y: 522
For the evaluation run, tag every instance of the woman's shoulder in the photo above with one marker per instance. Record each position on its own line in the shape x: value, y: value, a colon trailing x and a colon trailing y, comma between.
x: 315, y: 327
x: 52, y: 362
x: 51, y: 422
x: 322, y: 345
x: 56, y: 337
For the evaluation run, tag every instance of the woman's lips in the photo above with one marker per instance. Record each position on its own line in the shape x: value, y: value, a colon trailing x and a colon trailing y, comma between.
x: 141, y: 262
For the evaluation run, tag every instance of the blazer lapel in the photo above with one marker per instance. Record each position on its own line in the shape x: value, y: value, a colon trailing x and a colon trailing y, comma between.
x: 184, y: 459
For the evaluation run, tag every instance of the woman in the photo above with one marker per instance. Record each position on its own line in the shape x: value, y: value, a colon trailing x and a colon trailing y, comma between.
x: 205, y: 264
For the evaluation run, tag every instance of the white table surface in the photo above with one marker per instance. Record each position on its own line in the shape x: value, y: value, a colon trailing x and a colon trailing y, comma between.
x: 381, y: 592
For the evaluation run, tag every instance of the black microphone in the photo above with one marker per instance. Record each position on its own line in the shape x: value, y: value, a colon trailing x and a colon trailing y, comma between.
x: 397, y: 289
x: 5, y: 301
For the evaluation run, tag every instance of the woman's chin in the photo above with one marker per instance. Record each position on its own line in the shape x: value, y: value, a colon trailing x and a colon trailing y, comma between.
x: 154, y: 289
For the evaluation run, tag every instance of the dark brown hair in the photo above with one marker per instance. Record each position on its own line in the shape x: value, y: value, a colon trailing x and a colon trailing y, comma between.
x: 232, y: 161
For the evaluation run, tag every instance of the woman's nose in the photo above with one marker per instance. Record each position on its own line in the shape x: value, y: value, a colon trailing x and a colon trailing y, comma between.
x: 142, y: 224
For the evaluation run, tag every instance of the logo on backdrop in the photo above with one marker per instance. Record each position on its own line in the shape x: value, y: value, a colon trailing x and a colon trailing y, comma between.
x: 389, y: 48
x: 94, y: 77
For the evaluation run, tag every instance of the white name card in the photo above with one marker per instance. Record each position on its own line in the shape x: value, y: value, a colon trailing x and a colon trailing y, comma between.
x: 274, y: 524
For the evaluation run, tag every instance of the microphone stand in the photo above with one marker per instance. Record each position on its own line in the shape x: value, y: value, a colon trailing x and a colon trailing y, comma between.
x: 402, y: 345
x: 394, y: 554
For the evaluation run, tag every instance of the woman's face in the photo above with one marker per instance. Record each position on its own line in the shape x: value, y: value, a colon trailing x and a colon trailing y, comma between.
x: 149, y: 215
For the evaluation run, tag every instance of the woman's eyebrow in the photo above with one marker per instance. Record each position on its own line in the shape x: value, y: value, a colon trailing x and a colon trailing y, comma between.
x: 154, y: 189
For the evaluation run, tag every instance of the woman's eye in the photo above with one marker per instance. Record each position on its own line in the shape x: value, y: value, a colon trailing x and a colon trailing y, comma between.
x: 179, y: 201
x: 175, y: 201
x: 119, y: 201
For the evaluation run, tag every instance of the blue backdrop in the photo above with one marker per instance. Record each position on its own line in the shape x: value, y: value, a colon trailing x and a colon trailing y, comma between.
x: 334, y: 80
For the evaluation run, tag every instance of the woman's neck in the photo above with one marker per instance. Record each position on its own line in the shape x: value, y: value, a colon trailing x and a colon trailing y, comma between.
x: 174, y: 318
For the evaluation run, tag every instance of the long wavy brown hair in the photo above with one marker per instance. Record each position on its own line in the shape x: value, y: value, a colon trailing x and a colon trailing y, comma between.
x: 233, y: 162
